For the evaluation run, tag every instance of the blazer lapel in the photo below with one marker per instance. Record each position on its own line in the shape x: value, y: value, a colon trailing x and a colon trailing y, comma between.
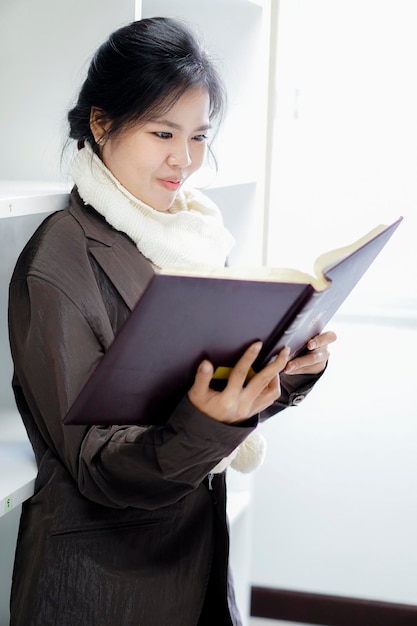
x: 127, y: 269
x: 117, y: 255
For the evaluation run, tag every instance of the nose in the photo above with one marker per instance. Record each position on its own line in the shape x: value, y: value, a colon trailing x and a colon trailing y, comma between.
x: 180, y: 155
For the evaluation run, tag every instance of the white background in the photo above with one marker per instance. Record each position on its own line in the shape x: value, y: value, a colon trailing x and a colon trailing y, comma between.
x: 335, y: 504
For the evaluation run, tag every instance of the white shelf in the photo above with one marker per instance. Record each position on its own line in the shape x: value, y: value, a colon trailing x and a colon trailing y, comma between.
x: 17, y: 463
x: 18, y: 197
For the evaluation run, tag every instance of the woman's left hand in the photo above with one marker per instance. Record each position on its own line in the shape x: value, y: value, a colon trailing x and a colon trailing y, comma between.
x: 315, y: 360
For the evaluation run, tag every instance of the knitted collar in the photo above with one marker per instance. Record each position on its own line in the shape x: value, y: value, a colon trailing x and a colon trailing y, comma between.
x: 190, y: 233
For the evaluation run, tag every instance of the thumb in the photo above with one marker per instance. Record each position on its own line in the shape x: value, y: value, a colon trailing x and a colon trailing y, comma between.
x: 203, y: 375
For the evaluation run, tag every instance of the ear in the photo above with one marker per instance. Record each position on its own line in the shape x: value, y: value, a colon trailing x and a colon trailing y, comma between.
x: 99, y: 124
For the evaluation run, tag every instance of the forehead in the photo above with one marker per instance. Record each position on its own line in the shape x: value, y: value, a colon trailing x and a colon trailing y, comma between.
x: 194, y: 102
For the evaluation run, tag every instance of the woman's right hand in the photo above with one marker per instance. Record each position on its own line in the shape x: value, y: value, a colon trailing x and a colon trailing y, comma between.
x: 239, y: 401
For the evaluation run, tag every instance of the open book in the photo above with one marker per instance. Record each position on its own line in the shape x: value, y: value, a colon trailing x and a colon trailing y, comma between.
x: 183, y: 317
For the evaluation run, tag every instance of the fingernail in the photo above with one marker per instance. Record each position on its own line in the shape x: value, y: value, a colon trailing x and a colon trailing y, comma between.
x: 312, y: 344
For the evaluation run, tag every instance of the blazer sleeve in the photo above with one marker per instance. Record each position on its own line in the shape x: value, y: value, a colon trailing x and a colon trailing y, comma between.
x: 294, y: 389
x: 54, y: 350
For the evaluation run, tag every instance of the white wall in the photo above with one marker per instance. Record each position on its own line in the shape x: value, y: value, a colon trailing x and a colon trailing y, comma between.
x: 45, y: 47
x: 345, y: 134
x: 335, y: 505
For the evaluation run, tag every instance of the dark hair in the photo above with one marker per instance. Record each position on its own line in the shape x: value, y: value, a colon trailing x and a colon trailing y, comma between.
x: 141, y: 71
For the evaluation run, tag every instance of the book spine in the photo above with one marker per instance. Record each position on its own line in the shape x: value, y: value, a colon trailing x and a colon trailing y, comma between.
x: 288, y: 325
x: 300, y: 327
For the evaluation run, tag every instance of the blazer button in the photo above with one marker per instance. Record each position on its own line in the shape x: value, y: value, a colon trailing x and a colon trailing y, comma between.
x: 298, y: 399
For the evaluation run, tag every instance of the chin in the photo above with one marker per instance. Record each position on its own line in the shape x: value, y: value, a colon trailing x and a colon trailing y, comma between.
x: 164, y: 207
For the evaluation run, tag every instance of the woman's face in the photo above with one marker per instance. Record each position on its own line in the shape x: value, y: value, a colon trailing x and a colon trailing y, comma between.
x: 153, y: 159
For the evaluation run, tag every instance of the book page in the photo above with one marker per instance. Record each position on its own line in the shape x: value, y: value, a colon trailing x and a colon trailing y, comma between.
x: 268, y: 274
x: 331, y: 258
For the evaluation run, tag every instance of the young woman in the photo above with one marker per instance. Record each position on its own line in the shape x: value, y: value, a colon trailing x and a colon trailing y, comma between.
x: 125, y: 528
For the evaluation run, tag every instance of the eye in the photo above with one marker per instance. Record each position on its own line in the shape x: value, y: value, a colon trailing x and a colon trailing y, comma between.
x: 200, y: 137
x: 163, y: 135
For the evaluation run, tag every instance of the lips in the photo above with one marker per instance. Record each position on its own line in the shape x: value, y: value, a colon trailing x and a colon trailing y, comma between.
x: 172, y: 185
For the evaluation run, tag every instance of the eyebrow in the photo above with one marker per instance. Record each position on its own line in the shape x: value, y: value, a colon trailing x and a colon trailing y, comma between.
x: 178, y: 126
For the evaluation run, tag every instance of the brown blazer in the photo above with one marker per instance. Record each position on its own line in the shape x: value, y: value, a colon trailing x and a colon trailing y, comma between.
x: 123, y: 528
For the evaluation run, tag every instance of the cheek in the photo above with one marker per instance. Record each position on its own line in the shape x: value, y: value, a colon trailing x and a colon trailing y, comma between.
x: 199, y: 156
x: 114, y: 157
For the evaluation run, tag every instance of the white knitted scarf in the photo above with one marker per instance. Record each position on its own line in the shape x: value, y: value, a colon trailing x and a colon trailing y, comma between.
x: 190, y: 233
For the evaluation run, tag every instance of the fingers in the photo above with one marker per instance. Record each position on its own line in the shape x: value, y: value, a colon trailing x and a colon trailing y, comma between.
x: 241, y: 370
x: 239, y: 401
x: 201, y: 385
x: 312, y: 363
x: 204, y: 373
x: 262, y: 399
x: 322, y: 340
x: 316, y: 359
x: 264, y: 388
x: 269, y: 372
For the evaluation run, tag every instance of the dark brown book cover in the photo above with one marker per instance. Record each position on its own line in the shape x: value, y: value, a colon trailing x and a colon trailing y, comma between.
x: 182, y: 319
